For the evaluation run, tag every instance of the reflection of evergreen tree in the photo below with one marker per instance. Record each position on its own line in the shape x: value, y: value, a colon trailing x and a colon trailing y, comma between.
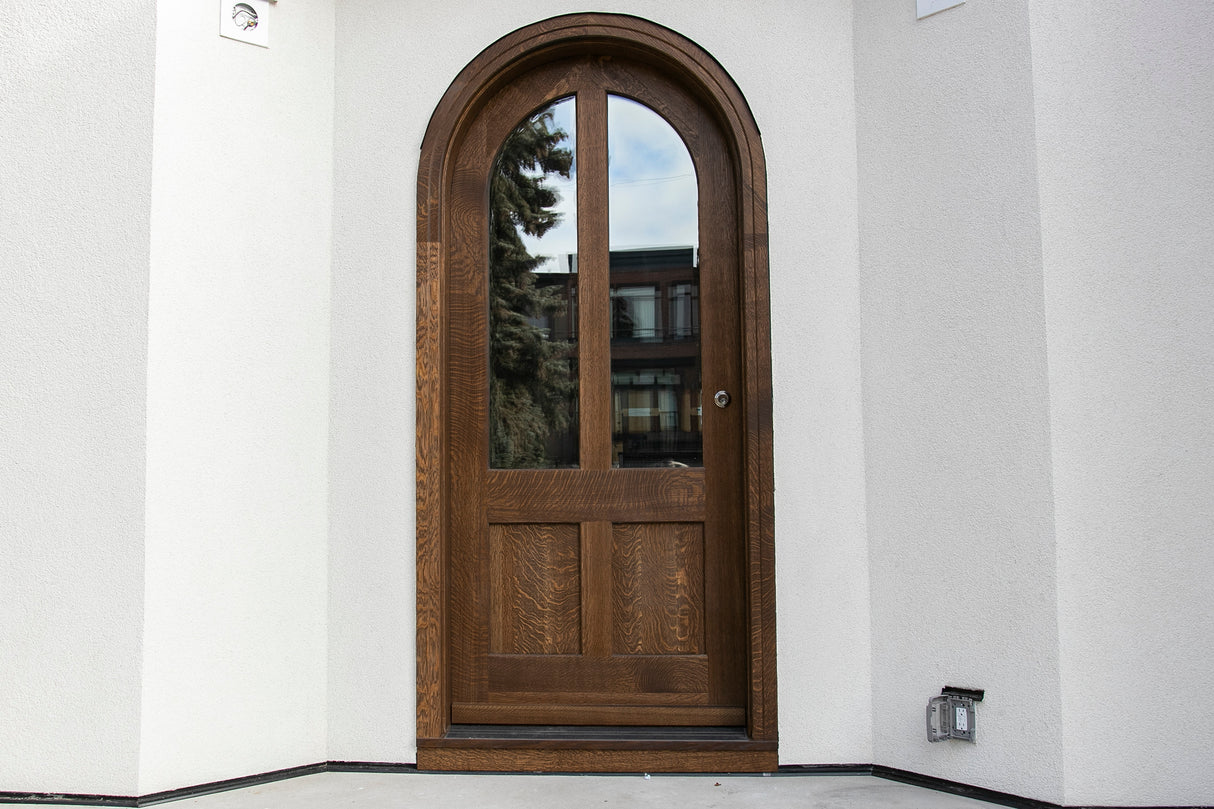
x: 531, y: 388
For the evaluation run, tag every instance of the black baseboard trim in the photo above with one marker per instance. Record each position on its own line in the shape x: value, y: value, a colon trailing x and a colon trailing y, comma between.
x: 231, y: 783
x: 825, y: 769
x: 878, y: 770
x: 990, y: 795
x: 368, y: 766
x: 963, y: 790
x: 76, y: 799
x: 68, y: 798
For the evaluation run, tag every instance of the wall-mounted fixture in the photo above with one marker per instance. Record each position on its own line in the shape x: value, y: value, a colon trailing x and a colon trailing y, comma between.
x: 952, y: 716
x: 245, y: 21
x: 926, y: 8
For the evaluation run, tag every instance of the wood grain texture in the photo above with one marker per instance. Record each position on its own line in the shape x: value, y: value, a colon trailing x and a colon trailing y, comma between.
x: 535, y: 589
x: 658, y: 589
x: 466, y: 416
x: 599, y: 733
x: 431, y: 578
x: 497, y: 756
x: 614, y: 495
x: 531, y: 50
x: 596, y: 698
x: 620, y: 675
x: 619, y: 715
x: 595, y: 390
x: 596, y: 611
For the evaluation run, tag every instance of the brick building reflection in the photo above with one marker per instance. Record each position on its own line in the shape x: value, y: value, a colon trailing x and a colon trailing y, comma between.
x: 655, y: 352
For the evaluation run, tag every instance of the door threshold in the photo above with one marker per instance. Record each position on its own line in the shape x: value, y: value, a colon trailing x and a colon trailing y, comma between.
x: 585, y: 749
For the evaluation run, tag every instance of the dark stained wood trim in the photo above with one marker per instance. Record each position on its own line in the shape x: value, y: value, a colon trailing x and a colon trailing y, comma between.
x: 432, y: 693
x: 660, y: 745
x: 505, y: 755
x: 667, y: 674
x: 613, y: 495
x: 594, y: 306
x: 508, y: 714
x: 630, y: 38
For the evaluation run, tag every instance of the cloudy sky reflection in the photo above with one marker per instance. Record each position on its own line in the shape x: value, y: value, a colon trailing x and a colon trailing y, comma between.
x: 653, y: 182
x: 653, y: 196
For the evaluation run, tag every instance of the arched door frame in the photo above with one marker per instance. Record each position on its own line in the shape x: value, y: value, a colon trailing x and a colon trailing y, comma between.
x: 622, y: 37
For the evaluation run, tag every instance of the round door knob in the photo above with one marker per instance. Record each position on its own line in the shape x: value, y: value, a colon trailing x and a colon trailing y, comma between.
x: 721, y: 398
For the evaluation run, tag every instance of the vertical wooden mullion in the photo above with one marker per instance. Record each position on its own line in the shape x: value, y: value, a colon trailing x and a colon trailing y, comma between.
x: 594, y: 334
x: 597, y: 625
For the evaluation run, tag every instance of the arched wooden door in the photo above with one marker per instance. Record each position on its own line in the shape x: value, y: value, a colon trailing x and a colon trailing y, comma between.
x: 601, y: 591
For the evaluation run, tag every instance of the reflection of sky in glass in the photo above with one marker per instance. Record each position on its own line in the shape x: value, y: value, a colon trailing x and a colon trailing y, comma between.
x: 653, y: 196
x: 561, y: 239
x: 653, y: 182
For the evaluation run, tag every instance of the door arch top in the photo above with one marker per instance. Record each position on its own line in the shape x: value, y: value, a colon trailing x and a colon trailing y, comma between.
x: 635, y: 40
x: 609, y: 35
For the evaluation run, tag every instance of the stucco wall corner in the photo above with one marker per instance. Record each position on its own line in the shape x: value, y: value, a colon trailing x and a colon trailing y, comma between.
x: 1124, y: 101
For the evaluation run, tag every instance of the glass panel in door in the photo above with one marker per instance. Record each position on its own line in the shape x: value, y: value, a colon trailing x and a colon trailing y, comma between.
x: 533, y: 341
x: 654, y: 281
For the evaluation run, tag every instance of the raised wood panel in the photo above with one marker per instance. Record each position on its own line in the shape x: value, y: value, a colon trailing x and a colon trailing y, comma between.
x: 657, y: 591
x: 614, y: 495
x: 535, y: 589
x: 618, y: 715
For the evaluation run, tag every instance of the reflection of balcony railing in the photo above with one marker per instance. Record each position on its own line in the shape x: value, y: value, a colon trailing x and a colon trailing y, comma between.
x: 651, y: 315
x: 659, y: 448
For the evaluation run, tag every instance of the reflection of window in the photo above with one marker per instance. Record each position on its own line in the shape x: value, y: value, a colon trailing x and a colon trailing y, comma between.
x: 634, y: 314
x: 656, y: 417
x: 684, y: 311
x: 646, y: 410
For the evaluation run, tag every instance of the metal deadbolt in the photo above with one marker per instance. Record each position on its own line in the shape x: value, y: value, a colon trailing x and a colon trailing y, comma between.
x: 721, y: 398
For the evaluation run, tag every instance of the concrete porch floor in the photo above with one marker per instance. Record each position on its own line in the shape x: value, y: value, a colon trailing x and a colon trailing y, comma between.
x: 335, y: 790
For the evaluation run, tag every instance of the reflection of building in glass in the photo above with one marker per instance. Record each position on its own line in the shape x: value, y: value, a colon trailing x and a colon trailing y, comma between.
x: 655, y: 358
x: 655, y: 352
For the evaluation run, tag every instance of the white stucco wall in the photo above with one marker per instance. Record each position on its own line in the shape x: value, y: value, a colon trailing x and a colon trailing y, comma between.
x: 207, y: 275
x: 75, y: 180
x: 391, y: 75
x: 235, y: 632
x: 955, y: 392
x: 1125, y: 116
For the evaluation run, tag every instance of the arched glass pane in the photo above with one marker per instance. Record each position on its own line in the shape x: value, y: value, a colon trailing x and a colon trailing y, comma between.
x: 533, y: 360
x: 655, y: 291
